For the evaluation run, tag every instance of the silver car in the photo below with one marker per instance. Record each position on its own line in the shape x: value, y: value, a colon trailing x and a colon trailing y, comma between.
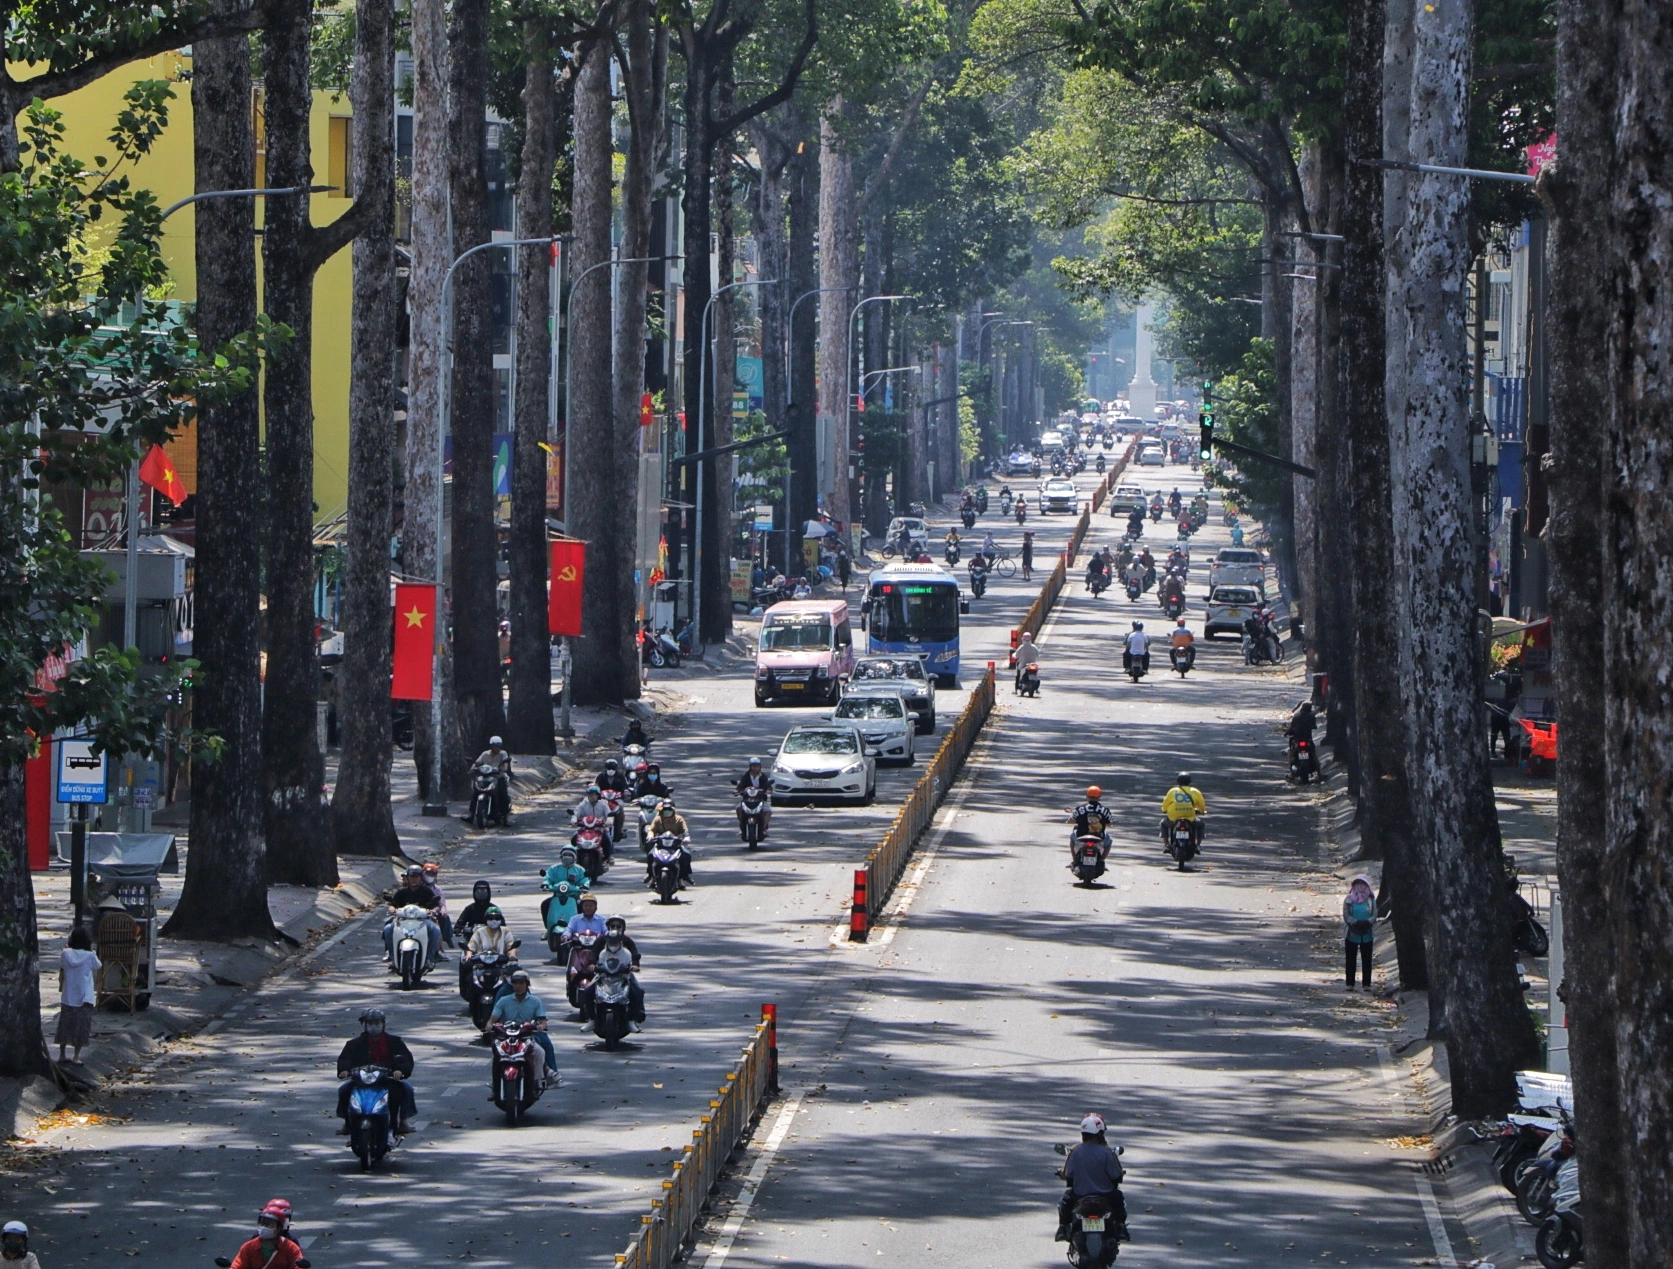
x: 831, y: 761
x: 884, y: 720
x: 906, y: 677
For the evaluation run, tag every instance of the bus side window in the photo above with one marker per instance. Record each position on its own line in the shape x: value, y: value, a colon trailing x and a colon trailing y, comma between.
x: 844, y: 635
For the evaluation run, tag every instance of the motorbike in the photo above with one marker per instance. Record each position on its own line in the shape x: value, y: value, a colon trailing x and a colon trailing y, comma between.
x: 1183, y: 659
x: 1519, y: 1141
x: 410, y: 940
x: 752, y: 805
x: 1156, y: 513
x: 1536, y: 1180
x: 490, y: 970
x: 1304, y: 759
x: 371, y: 1125
x: 1088, y: 863
x: 1022, y: 511
x: 772, y: 593
x: 1173, y: 605
x: 1029, y: 683
x: 982, y: 499
x: 660, y: 650
x: 1097, y: 582
x: 1005, y: 501
x: 1056, y: 464
x: 1267, y: 650
x: 486, y: 782
x: 968, y: 517
x: 613, y: 799
x: 647, y: 815
x: 561, y: 903
x: 1096, y: 1228
x: 1135, y: 588
x: 589, y: 848
x: 1560, y: 1243
x: 1100, y: 464
x: 951, y: 554
x: 1135, y: 667
x: 583, y: 951
x: 1181, y: 839
x: 1527, y: 935
x: 665, y: 867
x: 978, y: 581
x: 1109, y: 442
x: 610, y: 1007
x: 511, y: 1078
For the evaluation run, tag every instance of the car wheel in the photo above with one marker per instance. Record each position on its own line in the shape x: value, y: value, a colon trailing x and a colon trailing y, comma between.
x: 911, y: 752
x: 760, y: 699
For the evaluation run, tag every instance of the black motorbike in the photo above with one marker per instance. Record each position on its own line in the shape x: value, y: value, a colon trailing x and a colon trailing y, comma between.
x: 1527, y: 935
x: 1180, y: 837
x: 1088, y: 863
x: 1097, y: 582
x: 1028, y: 682
x: 1304, y: 759
x: 978, y: 581
x: 489, y: 797
x: 1097, y: 1226
x: 1183, y: 659
x: 1135, y: 588
x: 664, y: 853
x: 487, y: 973
x: 1173, y: 605
x: 968, y: 516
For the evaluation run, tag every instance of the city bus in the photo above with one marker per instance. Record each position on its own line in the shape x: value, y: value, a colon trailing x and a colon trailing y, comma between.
x: 913, y: 610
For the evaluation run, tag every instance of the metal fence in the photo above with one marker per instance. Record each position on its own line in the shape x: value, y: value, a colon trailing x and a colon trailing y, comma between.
x: 731, y: 1112
x: 876, y: 878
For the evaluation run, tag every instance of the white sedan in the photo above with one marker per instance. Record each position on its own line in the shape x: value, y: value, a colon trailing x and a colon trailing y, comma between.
x: 884, y: 720
x: 1057, y: 494
x: 1228, y: 608
x: 830, y: 761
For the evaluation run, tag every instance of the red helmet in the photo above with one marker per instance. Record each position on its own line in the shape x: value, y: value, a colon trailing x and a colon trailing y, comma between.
x: 280, y: 1210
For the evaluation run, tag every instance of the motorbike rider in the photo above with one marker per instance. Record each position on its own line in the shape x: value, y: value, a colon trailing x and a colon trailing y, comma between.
x: 1096, y: 567
x: 904, y: 543
x: 1135, y: 524
x: 1183, y: 802
x: 1091, y: 819
x: 491, y: 936
x: 482, y: 897
x: 754, y: 777
x: 1005, y: 494
x: 1179, y: 560
x: 1148, y: 562
x: 1026, y: 654
x: 1301, y: 722
x: 1175, y: 501
x: 617, y: 955
x: 1173, y: 587
x: 613, y: 777
x: 1237, y: 535
x: 272, y: 1247
x: 1254, y: 629
x: 1182, y: 642
x: 1133, y: 573
x: 1092, y: 1170
x: 412, y: 890
x: 1138, y: 645
x: 495, y: 756
x: 669, y: 820
x: 14, y: 1246
x: 522, y: 1005
x: 635, y: 735
x: 376, y: 1046
x: 566, y: 869
x: 432, y: 878
x: 586, y: 918
x: 593, y: 807
x: 651, y: 785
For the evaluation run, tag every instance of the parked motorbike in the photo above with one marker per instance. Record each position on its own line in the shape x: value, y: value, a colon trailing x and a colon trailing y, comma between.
x: 1519, y: 1141
x: 1096, y: 1227
x: 371, y: 1124
x: 1536, y: 1180
x: 752, y: 805
x: 770, y: 594
x: 1029, y: 683
x: 411, y: 942
x: 1304, y: 759
x: 1560, y: 1243
x: 1181, y: 839
x: 660, y: 650
x: 487, y: 785
x: 1088, y: 863
x: 1527, y: 935
x: 511, y: 1077
x: 1182, y: 659
x: 665, y: 866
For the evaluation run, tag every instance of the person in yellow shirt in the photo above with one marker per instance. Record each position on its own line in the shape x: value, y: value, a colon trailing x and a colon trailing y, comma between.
x: 1183, y: 802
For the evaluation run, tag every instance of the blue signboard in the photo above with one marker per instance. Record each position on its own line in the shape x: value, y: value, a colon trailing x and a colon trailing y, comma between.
x: 80, y: 774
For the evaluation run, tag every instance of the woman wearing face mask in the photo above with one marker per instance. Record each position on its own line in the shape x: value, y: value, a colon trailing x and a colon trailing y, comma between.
x: 14, y: 1246
x: 490, y: 936
x: 272, y: 1247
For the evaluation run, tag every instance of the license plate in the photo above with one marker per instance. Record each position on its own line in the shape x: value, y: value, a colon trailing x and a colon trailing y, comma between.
x: 1092, y: 1224
x: 792, y: 687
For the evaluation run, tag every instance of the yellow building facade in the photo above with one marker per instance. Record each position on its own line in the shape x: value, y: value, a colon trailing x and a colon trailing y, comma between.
x: 167, y: 173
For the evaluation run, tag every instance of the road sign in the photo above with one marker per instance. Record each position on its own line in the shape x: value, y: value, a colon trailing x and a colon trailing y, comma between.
x: 81, y: 772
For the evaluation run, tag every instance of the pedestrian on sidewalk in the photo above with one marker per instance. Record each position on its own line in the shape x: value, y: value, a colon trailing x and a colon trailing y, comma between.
x: 14, y: 1247
x: 77, y: 964
x: 1359, y: 919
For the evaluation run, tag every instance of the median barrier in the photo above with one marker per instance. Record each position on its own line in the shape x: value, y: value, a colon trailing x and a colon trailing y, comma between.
x: 732, y: 1111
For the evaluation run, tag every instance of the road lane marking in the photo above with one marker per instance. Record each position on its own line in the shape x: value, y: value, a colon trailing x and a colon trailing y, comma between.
x: 909, y: 891
x: 1425, y: 1191
x: 752, y: 1185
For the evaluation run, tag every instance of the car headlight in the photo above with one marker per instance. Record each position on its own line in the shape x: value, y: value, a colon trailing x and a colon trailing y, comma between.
x: 852, y: 767
x: 761, y: 673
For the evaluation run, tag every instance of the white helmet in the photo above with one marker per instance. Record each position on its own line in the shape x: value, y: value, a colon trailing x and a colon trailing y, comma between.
x: 1093, y: 1125
x: 494, y: 742
x: 15, y: 1227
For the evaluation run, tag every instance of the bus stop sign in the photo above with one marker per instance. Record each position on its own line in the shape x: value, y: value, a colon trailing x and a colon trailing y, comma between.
x: 80, y: 773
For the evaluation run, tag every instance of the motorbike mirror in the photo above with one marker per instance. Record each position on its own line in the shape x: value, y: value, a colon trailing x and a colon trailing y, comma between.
x: 874, y: 753
x: 223, y: 1262
x: 516, y: 943
x: 1060, y: 1148
x: 1121, y: 1149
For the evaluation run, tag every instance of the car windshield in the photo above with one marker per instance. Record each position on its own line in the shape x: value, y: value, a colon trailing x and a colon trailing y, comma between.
x: 1129, y: 491
x: 903, y: 669
x: 902, y: 611
x: 820, y: 742
x: 1240, y: 557
x: 1234, y: 595
x: 794, y: 633
x: 869, y: 707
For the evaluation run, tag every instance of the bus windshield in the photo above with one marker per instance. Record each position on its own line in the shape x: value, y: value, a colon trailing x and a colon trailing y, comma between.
x: 910, y: 610
x: 796, y: 633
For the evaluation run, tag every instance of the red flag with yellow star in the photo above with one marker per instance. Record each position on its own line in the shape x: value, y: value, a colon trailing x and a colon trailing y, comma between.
x: 415, y: 642
x: 158, y: 472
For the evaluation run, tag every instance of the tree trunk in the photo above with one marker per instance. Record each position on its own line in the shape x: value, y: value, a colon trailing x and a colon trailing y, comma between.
x: 645, y: 82
x: 1488, y: 1030
x: 299, y: 845
x: 1380, y: 731
x: 473, y: 412
x: 766, y: 207
x: 1637, y: 608
x: 528, y: 726
x: 802, y: 274
x: 590, y: 449
x: 224, y: 895
x: 1276, y: 299
x: 361, y: 817
x: 1306, y: 495
x: 1577, y: 190
x: 723, y: 370
x: 431, y: 255
x: 22, y: 1049
x: 839, y: 280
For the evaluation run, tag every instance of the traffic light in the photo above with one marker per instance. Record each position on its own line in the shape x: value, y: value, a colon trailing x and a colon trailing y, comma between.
x: 1207, y: 420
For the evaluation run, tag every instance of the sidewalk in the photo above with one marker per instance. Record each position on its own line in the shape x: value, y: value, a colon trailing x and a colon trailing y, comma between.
x: 195, y: 982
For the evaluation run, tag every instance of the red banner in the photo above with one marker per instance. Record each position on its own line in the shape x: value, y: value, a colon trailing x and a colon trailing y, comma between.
x: 415, y: 642
x: 569, y: 573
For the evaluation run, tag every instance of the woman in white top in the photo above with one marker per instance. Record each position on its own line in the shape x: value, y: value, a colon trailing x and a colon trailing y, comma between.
x: 77, y: 964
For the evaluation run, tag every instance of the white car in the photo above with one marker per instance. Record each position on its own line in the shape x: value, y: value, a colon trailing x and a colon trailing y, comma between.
x: 1126, y: 499
x: 1152, y: 455
x: 1058, y: 494
x: 1228, y: 608
x: 885, y: 722
x: 1051, y: 439
x: 1021, y: 463
x: 918, y: 530
x: 1237, y: 566
x: 829, y: 761
x: 901, y: 676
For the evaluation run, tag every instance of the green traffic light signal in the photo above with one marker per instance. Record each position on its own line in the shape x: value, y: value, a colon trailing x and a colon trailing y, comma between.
x: 1205, y: 449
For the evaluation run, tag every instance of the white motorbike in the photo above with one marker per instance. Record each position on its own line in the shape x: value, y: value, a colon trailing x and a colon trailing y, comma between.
x: 410, y: 940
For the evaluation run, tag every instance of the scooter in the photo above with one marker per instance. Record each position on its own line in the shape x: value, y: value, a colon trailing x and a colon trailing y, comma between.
x: 1173, y: 605
x: 1561, y: 1243
x: 1029, y: 683
x: 951, y: 554
x: 486, y: 782
x: 486, y: 975
x: 1100, y: 465
x: 1088, y: 863
x: 1136, y: 667
x: 371, y: 1125
x: 410, y: 940
x: 660, y: 650
x: 665, y: 867
x: 978, y: 581
x: 610, y: 1008
x: 1005, y: 501
x: 1156, y: 513
x: 968, y: 516
x: 1097, y: 583
x: 1022, y: 511
x: 583, y: 951
x: 1180, y: 837
x: 589, y: 848
x: 613, y: 799
x: 1096, y: 1227
x: 1183, y: 659
x: 1304, y: 760
x: 561, y: 902
x: 752, y: 806
x: 982, y: 499
x: 511, y: 1079
x: 647, y: 816
x: 1135, y: 588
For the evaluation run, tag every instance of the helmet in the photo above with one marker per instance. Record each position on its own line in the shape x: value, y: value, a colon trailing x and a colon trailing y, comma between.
x: 1093, y: 792
x: 519, y: 976
x: 15, y: 1227
x: 371, y: 1015
x: 481, y: 890
x: 755, y: 762
x: 653, y: 768
x: 1184, y: 777
x: 1138, y: 625
x: 593, y: 788
x: 610, y: 764
x: 492, y: 911
x: 1093, y: 1125
x: 278, y: 1211
x: 414, y: 870
x: 589, y: 897
x: 566, y: 852
x: 616, y: 923
x: 668, y: 808
x: 431, y: 868
x: 494, y: 742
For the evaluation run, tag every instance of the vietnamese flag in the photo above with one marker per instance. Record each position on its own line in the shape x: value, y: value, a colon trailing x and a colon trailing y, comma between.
x: 415, y: 642
x: 158, y: 472
x: 569, y: 573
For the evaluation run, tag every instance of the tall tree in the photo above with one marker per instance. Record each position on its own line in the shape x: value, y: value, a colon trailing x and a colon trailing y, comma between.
x: 839, y: 291
x: 528, y: 724
x: 224, y: 894
x: 1489, y: 1033
x: 801, y: 277
x: 362, y: 818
